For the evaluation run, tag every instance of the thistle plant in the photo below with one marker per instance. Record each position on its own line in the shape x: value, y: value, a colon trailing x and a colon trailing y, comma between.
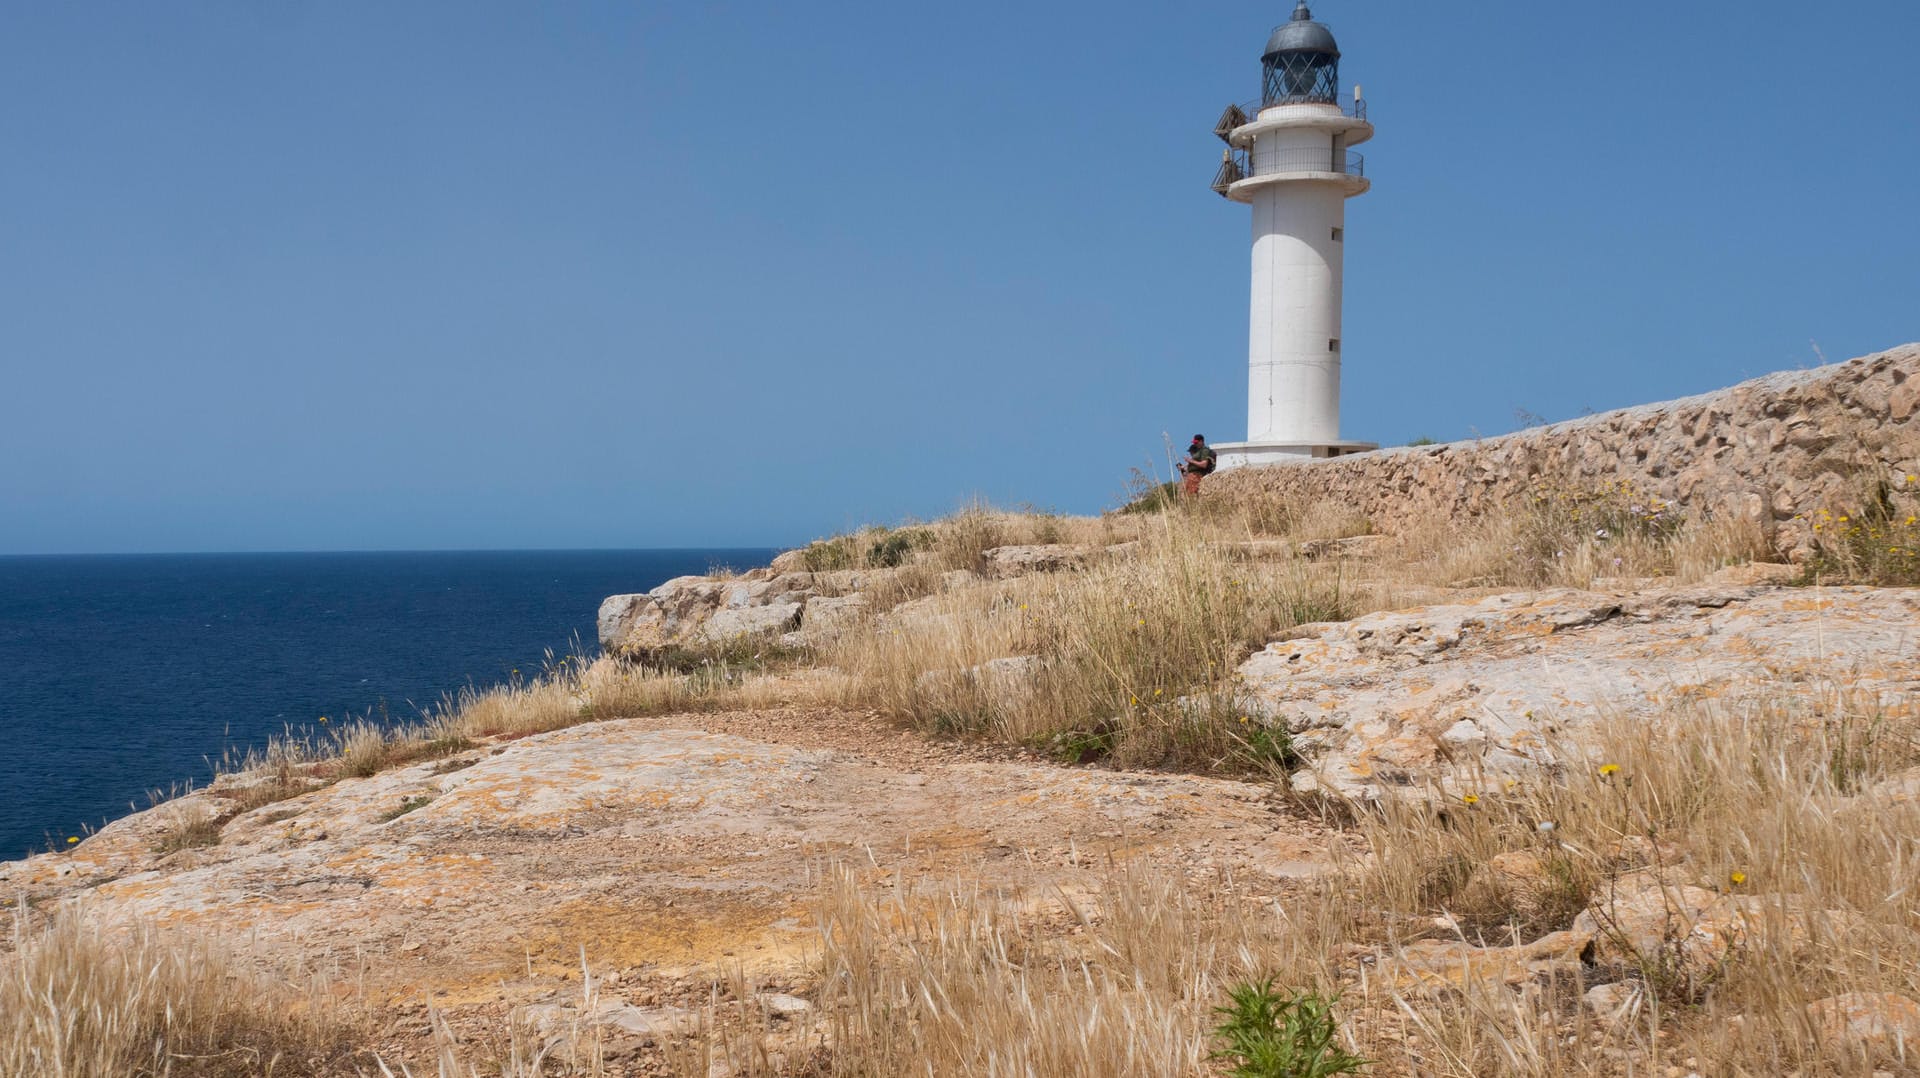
x: 1269, y: 1035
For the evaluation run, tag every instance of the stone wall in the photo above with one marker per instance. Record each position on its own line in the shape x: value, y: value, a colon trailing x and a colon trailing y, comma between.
x: 1772, y: 450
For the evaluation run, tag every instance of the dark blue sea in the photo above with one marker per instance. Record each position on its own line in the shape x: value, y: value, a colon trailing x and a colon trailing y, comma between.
x: 122, y: 675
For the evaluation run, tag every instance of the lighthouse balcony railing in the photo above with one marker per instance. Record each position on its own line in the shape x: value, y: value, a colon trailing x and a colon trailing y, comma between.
x: 1274, y: 162
x: 1355, y: 109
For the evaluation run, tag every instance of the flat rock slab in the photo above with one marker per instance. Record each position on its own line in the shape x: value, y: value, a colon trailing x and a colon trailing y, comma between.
x: 666, y: 850
x: 1447, y: 697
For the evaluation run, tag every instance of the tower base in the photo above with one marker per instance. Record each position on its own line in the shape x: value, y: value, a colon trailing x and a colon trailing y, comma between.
x: 1246, y: 454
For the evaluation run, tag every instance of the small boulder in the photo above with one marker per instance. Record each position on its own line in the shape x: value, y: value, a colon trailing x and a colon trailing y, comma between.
x: 735, y: 623
x: 827, y: 616
x: 1899, y: 789
x: 792, y: 561
x: 1447, y: 965
x: 1884, y: 1025
x: 784, y: 1005
x: 1615, y: 1003
x: 1352, y: 546
x: 1643, y: 915
x: 1010, y: 561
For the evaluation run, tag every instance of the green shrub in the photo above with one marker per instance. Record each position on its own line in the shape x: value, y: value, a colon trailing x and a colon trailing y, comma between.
x: 1268, y: 1035
x: 893, y: 548
x: 1876, y: 544
x: 826, y: 555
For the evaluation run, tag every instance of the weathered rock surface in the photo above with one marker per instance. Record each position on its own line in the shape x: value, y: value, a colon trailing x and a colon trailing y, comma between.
x: 1770, y: 450
x: 1007, y: 561
x: 694, y: 610
x: 1352, y: 546
x: 651, y: 845
x: 1445, y: 965
x: 1457, y: 697
x: 1884, y: 1025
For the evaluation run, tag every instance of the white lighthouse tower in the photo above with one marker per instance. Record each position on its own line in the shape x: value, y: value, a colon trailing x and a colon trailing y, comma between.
x: 1292, y: 162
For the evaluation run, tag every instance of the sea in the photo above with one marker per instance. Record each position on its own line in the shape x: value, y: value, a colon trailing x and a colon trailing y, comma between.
x: 126, y: 677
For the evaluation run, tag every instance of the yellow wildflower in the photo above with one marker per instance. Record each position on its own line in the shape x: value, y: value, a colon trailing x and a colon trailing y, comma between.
x: 1737, y: 878
x: 1471, y: 799
x: 71, y: 839
x: 1609, y: 769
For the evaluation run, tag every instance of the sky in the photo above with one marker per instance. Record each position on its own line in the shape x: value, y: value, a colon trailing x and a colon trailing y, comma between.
x: 325, y: 274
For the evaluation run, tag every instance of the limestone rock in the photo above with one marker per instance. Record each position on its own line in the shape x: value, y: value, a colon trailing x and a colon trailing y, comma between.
x: 832, y: 613
x: 1009, y: 561
x: 735, y: 623
x: 826, y: 617
x: 1460, y: 697
x: 1645, y: 916
x: 692, y: 610
x: 1885, y: 1025
x: 784, y: 1005
x: 791, y: 561
x: 1615, y: 1003
x: 1649, y: 915
x: 1352, y: 546
x: 1899, y: 789
x: 646, y: 1024
x: 660, y: 851
x: 1445, y: 965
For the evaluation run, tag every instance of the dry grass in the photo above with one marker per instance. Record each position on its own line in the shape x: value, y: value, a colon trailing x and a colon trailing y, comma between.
x: 1560, y: 538
x: 188, y: 825
x: 82, y: 999
x: 956, y: 978
x: 1132, y: 657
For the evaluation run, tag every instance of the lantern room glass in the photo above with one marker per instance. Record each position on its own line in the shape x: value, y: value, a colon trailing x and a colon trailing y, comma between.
x: 1300, y: 77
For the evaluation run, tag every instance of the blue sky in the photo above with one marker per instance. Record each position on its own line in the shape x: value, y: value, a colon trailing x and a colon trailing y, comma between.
x: 323, y: 275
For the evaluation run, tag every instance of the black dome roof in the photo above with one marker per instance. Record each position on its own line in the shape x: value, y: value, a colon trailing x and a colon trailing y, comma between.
x: 1301, y: 34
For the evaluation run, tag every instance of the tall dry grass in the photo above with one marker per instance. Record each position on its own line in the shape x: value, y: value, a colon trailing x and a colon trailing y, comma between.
x: 957, y: 978
x: 84, y: 999
x: 1131, y: 657
x: 1571, y: 538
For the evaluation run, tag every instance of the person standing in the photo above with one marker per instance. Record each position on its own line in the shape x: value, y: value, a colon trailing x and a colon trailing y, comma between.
x: 1199, y: 464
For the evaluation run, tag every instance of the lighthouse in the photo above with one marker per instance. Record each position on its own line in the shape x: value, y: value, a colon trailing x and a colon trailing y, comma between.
x: 1290, y: 156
